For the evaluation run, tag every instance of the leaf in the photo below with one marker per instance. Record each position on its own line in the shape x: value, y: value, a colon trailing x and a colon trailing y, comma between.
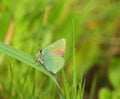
x: 114, y: 73
x: 27, y: 59
x: 105, y: 93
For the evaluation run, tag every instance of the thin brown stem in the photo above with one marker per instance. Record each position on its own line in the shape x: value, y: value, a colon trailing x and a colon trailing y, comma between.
x: 45, y: 19
x: 9, y: 33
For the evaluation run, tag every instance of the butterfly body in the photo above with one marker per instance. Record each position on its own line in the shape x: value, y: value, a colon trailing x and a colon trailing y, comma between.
x: 39, y: 57
x: 52, y: 56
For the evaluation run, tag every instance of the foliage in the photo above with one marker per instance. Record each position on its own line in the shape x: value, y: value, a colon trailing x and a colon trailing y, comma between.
x: 91, y: 29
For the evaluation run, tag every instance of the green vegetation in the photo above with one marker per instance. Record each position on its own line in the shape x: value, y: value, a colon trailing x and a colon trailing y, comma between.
x: 92, y: 58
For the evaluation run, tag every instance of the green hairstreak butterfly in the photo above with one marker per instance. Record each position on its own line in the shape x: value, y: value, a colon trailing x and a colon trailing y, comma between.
x: 52, y: 56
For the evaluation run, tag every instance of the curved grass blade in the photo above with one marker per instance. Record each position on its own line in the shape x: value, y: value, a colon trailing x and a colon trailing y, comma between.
x: 27, y: 59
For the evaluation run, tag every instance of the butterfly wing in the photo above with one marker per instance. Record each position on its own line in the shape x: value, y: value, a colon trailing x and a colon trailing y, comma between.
x: 53, y: 62
x: 58, y: 47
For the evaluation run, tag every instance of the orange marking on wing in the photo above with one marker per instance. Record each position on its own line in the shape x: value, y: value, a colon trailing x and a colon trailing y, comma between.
x: 60, y: 52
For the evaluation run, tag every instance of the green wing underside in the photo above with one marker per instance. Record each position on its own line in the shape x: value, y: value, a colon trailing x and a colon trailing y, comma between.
x: 53, y: 62
x: 60, y: 44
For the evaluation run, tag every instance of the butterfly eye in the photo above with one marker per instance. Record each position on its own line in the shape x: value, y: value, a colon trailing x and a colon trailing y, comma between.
x: 40, y: 51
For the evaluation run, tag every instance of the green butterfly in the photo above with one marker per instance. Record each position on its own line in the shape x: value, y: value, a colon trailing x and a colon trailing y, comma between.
x: 52, y: 56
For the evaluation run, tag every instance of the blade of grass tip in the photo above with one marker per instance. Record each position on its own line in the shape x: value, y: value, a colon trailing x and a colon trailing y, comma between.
x: 25, y: 58
x: 93, y: 87
x: 65, y: 84
x: 13, y: 82
x: 82, y: 89
x: 80, y: 92
x: 74, y: 65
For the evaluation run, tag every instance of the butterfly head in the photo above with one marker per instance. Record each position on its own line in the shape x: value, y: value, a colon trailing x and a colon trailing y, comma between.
x: 39, y: 56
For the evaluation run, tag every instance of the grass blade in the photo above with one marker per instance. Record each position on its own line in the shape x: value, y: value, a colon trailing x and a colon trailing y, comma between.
x: 27, y: 59
x: 74, y: 65
x: 93, y: 87
x: 65, y: 84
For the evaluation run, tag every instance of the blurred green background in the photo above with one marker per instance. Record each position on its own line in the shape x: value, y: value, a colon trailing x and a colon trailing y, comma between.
x: 26, y: 24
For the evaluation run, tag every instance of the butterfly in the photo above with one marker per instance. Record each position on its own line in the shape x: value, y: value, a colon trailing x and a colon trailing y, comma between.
x: 52, y: 56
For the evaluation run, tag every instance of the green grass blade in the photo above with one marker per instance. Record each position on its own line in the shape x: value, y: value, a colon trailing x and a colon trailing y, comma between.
x: 74, y: 65
x: 82, y: 88
x: 13, y: 83
x: 27, y: 59
x: 65, y: 84
x: 25, y: 81
x: 93, y: 87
